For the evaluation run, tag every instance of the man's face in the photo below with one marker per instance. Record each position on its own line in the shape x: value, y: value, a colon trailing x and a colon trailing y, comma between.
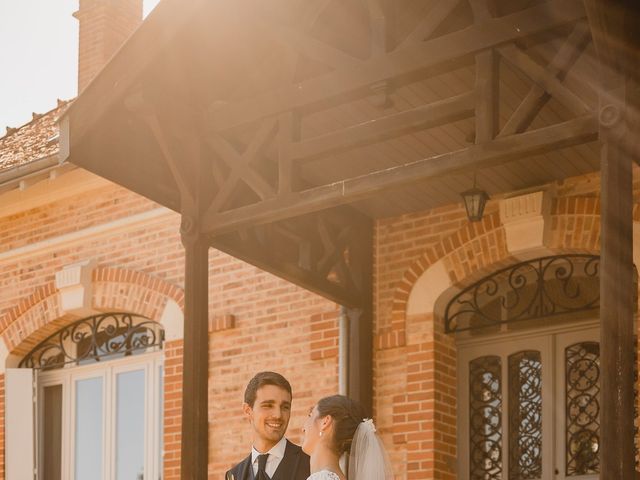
x: 269, y: 416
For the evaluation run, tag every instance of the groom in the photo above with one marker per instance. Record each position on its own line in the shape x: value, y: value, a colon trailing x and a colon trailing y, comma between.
x: 267, y: 406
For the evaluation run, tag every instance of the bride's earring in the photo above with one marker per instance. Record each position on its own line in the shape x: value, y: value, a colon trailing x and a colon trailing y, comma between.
x: 321, y: 432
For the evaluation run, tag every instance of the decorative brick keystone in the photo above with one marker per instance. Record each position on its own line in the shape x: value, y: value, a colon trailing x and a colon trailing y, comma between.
x: 526, y: 219
x: 75, y: 288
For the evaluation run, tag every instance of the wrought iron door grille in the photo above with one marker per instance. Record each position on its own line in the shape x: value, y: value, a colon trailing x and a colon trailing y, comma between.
x: 94, y: 338
x: 582, y: 366
x: 525, y: 415
x: 543, y: 287
x: 485, y: 418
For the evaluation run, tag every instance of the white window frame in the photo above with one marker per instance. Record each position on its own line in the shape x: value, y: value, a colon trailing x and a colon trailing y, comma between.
x: 152, y: 363
x: 550, y: 341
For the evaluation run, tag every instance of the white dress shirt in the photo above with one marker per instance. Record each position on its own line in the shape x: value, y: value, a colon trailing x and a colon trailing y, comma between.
x: 276, y: 454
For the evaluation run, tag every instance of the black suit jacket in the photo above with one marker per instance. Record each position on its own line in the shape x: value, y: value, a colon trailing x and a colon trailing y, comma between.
x: 294, y: 466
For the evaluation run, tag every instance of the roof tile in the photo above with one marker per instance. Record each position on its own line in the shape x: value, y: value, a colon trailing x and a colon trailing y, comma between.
x: 32, y: 141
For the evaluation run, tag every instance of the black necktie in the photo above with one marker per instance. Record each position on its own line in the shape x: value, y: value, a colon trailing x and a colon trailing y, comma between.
x: 262, y: 463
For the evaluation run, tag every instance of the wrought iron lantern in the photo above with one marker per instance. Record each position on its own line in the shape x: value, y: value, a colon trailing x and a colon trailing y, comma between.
x: 475, y: 200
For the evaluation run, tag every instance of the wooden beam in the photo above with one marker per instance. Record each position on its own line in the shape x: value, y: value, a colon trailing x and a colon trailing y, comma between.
x: 288, y: 132
x: 378, y: 25
x: 435, y: 16
x: 187, y: 199
x: 544, y: 78
x: 427, y: 116
x: 487, y: 82
x: 487, y: 96
x: 240, y: 164
x: 537, y: 97
x: 314, y: 10
x: 414, y: 58
x: 312, y: 48
x: 496, y: 152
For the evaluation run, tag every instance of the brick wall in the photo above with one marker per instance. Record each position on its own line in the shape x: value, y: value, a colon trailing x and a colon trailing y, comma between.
x: 172, y: 409
x: 2, y: 444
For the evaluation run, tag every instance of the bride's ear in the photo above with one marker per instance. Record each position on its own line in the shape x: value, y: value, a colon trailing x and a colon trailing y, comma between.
x: 326, y: 422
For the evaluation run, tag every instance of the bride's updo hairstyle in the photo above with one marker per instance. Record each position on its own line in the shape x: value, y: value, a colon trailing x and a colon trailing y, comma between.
x: 347, y: 414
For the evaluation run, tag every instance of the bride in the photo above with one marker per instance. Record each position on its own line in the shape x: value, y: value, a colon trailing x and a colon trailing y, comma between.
x: 336, y: 426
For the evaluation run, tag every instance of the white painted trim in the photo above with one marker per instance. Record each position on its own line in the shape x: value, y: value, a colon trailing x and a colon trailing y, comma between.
x: 172, y: 320
x: 462, y: 340
x: 53, y: 183
x: 68, y: 239
x: 18, y: 422
x: 427, y: 289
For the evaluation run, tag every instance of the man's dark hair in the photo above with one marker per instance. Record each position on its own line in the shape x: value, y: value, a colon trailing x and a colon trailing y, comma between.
x: 260, y: 380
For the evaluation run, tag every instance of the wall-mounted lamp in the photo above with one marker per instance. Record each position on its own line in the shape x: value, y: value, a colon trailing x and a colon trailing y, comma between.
x: 475, y: 201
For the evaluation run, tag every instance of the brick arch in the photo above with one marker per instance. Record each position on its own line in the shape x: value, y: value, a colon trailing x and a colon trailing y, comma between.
x: 40, y: 314
x: 477, y: 247
x: 463, y: 248
x: 133, y: 291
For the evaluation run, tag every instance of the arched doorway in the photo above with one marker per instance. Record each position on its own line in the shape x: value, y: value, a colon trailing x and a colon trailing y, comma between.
x: 98, y: 399
x: 527, y: 337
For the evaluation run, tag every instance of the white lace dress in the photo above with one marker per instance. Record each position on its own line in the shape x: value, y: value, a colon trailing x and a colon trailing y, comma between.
x: 324, y: 475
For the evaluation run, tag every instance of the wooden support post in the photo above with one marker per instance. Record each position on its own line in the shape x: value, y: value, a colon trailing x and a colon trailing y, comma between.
x: 616, y: 316
x: 611, y: 26
x: 195, y: 425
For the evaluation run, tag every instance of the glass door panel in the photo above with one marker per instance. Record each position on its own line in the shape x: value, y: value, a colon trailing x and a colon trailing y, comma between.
x: 505, y: 425
x: 89, y: 428
x: 130, y: 425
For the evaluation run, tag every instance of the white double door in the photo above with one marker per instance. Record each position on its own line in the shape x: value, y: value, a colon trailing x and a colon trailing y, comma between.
x: 566, y: 416
x: 101, y: 421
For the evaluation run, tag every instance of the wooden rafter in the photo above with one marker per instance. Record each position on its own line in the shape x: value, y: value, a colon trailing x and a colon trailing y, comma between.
x: 416, y: 57
x: 426, y: 116
x: 491, y: 153
x: 379, y: 27
x: 544, y: 78
x: 537, y: 96
x: 302, y: 43
x: 434, y: 18
x: 487, y: 84
x: 240, y: 165
x: 288, y: 133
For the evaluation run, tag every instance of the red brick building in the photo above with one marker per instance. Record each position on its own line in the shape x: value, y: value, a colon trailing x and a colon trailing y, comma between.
x: 460, y: 388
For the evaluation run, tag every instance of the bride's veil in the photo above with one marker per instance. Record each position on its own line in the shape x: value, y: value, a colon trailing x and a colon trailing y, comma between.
x: 368, y: 459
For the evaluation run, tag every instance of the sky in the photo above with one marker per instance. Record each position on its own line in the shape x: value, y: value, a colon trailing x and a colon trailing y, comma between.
x: 38, y: 56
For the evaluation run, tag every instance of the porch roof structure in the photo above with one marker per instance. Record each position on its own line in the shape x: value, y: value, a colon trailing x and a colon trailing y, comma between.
x: 280, y: 130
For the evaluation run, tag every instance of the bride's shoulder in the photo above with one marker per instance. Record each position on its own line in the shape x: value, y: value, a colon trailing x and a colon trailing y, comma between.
x: 324, y: 475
